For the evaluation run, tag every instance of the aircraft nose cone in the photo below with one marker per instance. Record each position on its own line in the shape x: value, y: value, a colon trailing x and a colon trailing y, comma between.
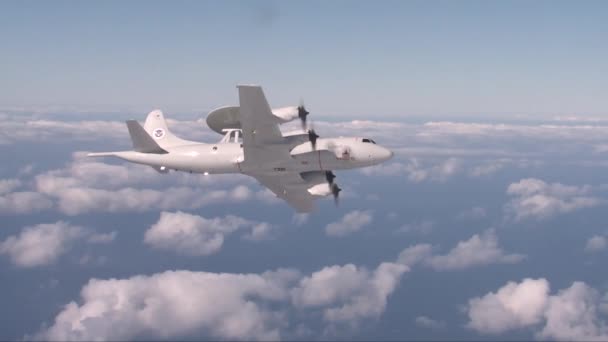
x: 387, y: 154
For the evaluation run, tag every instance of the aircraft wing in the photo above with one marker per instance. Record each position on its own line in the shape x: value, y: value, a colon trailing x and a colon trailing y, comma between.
x: 290, y: 187
x: 264, y: 145
x: 262, y: 138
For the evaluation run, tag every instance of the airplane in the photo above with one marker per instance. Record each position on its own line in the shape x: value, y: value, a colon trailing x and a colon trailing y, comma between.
x: 296, y: 166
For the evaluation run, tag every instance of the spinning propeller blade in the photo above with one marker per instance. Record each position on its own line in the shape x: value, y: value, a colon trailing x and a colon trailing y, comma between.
x: 312, y: 137
x: 335, y: 190
x: 330, y: 176
x: 302, y: 113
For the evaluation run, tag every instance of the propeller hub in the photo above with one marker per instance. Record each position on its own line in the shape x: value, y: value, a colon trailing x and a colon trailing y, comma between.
x: 312, y: 137
x: 330, y: 176
x: 302, y: 113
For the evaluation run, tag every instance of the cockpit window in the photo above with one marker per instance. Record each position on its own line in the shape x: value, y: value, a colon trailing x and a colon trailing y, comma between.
x: 369, y: 141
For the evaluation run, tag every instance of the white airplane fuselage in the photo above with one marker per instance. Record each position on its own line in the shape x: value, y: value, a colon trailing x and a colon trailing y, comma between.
x: 296, y: 166
x: 228, y: 157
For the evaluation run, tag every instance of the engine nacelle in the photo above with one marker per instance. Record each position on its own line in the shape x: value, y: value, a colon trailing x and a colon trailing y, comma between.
x: 286, y: 114
x: 296, y: 138
x: 322, y: 189
x: 318, y: 182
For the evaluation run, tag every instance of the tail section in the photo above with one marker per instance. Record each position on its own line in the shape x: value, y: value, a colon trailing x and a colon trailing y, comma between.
x: 142, y: 142
x: 154, y: 138
x: 157, y: 128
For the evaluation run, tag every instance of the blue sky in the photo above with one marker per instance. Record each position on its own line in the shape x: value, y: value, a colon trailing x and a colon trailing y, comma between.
x: 395, y: 57
x: 488, y: 224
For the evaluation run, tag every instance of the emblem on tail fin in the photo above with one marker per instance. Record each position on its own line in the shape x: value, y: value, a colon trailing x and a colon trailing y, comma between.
x: 158, y: 133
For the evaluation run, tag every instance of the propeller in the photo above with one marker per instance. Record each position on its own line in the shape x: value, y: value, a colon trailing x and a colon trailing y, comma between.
x: 312, y: 137
x: 335, y: 190
x: 302, y: 113
x: 330, y: 176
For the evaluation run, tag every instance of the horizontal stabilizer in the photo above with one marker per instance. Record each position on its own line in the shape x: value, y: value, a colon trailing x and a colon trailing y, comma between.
x: 142, y: 141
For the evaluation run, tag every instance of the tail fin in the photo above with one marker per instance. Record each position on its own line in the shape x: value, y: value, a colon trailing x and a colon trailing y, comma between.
x: 156, y: 126
x: 142, y: 142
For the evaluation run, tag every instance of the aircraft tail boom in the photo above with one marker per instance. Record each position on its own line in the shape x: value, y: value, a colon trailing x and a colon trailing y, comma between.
x: 102, y: 154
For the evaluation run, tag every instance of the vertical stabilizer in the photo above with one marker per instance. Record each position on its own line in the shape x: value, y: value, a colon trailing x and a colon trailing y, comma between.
x: 142, y: 142
x: 156, y: 126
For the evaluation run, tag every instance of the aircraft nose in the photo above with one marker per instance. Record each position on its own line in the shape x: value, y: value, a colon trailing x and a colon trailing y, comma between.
x: 384, y: 154
x: 387, y: 154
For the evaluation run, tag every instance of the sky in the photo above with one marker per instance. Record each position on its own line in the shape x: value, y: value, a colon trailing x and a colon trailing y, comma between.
x: 395, y: 57
x: 488, y: 224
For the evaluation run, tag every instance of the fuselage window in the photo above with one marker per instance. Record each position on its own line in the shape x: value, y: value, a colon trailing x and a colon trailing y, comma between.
x: 370, y: 141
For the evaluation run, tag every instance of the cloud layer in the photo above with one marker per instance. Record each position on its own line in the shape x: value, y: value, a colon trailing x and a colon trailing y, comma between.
x: 572, y: 314
x: 479, y: 250
x: 351, y: 222
x: 534, y: 198
x: 41, y: 244
x: 196, y: 235
x: 175, y: 304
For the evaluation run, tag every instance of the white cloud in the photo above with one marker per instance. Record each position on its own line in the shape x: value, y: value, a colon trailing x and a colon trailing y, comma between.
x: 416, y: 254
x: 8, y: 185
x: 196, y: 235
x: 350, y: 293
x: 174, y: 304
x: 445, y: 139
x: 479, y: 250
x: 77, y: 199
x: 90, y: 186
x: 24, y: 202
x: 486, y: 169
x: 300, y: 219
x: 41, y: 244
x: 542, y: 132
x: 86, y: 186
x: 574, y: 118
x: 26, y: 170
x: 427, y: 322
x: 416, y: 172
x: 601, y: 148
x: 514, y: 305
x: 386, y: 169
x: 534, y: 198
x: 596, y: 243
x: 350, y: 223
x: 28, y: 129
x: 177, y: 304
x: 446, y: 169
x: 261, y: 231
x: 38, y: 128
x: 573, y: 314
